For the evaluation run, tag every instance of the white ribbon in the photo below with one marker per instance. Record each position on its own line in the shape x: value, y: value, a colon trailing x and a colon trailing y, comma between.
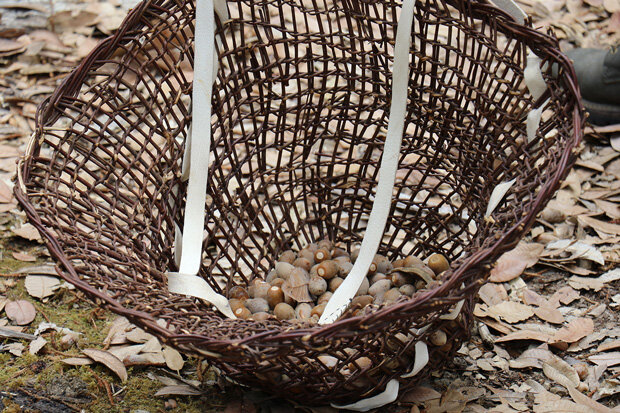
x: 342, y: 297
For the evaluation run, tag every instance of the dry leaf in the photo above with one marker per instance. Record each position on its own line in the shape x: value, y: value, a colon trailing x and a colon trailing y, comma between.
x: 41, y: 286
x: 77, y: 361
x: 584, y: 400
x: 124, y: 352
x: 526, y: 335
x: 510, y: 311
x: 178, y: 390
x: 560, y: 406
x: 512, y: 263
x: 137, y: 335
x: 24, y: 257
x: 15, y: 349
x: 36, y: 345
x: 145, y: 359
x: 532, y: 358
x: 610, y: 359
x: 27, y: 231
x: 599, y: 226
x: 173, y: 358
x: 574, y: 331
x: 118, y: 332
x: 492, y: 293
x: 549, y: 314
x: 21, y: 312
x: 561, y: 372
x: 420, y: 394
x: 608, y: 345
x: 109, y: 360
x: 564, y: 295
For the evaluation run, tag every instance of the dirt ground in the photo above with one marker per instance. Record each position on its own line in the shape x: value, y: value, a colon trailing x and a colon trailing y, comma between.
x: 545, y: 340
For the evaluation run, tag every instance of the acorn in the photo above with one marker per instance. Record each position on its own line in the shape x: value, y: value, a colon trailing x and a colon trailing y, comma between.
x: 321, y: 255
x: 235, y: 303
x: 379, y: 288
x: 317, y: 285
x: 288, y: 256
x: 341, y: 259
x: 372, y: 268
x: 340, y: 253
x: 304, y: 263
x: 438, y: 263
x: 354, y: 254
x: 438, y: 338
x: 284, y: 311
x: 391, y: 296
x: 399, y: 279
x: 307, y: 254
x: 271, y: 275
x: 420, y: 285
x: 362, y: 301
x: 344, y: 268
x: 325, y: 244
x: 412, y: 261
x: 303, y: 310
x: 261, y: 316
x: 383, y: 264
x: 284, y: 269
x: 242, y: 313
x: 334, y: 283
x: 400, y: 263
x: 257, y: 305
x: 363, y: 290
x: 327, y: 269
x: 238, y: 293
x: 407, y: 289
x: 275, y: 296
x: 318, y: 310
x: 378, y: 276
x: 324, y: 298
x: 277, y: 282
x: 258, y: 289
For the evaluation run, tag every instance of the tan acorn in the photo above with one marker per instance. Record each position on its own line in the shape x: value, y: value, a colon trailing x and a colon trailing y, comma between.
x: 317, y: 285
x: 340, y: 253
x: 327, y: 269
x: 363, y: 289
x: 378, y: 276
x: 411, y: 261
x: 284, y: 311
x: 275, y: 296
x: 362, y: 301
x: 284, y: 269
x: 325, y: 244
x: 321, y: 255
x: 438, y: 338
x: 304, y: 263
x: 277, y: 282
x: 318, y: 310
x: 235, y: 303
x: 334, y: 283
x: 391, y: 296
x: 438, y: 263
x: 238, y: 293
x: 407, y: 289
x: 242, y: 313
x: 257, y: 305
x: 288, y: 256
x: 324, y: 298
x: 258, y: 289
x: 260, y: 316
x: 303, y: 311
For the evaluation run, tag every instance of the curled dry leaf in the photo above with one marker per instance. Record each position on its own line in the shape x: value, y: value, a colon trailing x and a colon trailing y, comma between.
x: 24, y: 257
x: 109, y: 360
x: 512, y: 263
x: 173, y: 358
x: 37, y: 345
x: 561, y: 372
x: 21, y: 312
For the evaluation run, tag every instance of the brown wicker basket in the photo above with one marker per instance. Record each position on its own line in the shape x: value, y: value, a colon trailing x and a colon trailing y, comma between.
x: 299, y: 116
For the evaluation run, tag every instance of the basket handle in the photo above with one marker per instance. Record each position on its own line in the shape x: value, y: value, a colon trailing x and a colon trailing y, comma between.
x: 186, y: 281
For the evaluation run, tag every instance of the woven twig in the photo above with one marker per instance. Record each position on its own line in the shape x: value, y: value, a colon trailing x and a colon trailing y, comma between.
x: 299, y: 119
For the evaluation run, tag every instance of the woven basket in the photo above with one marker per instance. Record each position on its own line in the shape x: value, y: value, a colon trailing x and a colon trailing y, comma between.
x: 300, y: 110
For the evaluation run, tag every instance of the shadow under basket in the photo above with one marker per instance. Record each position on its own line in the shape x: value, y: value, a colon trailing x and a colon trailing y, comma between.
x: 300, y: 110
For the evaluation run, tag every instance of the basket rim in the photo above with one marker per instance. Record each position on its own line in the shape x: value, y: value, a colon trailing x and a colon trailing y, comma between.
x: 65, y: 269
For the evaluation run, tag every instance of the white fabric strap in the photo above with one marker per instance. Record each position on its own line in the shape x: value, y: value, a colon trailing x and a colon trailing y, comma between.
x: 186, y: 281
x: 388, y: 396
x: 387, y: 173
x: 512, y: 8
x: 420, y: 361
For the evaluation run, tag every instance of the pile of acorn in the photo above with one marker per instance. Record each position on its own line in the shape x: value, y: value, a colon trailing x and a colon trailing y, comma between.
x: 301, y: 283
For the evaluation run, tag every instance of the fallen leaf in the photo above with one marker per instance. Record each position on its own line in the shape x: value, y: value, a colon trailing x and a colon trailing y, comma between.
x: 173, y: 358
x: 41, y: 286
x: 609, y: 345
x: 15, y: 349
x: 531, y: 358
x: 497, y: 195
x: 36, y: 345
x: 512, y: 263
x: 610, y: 359
x: 526, y: 335
x: 420, y: 394
x: 109, y: 360
x: 77, y: 361
x: 584, y: 400
x: 510, y: 311
x: 561, y: 372
x: 21, y: 312
x: 599, y: 226
x: 492, y: 293
x: 561, y: 406
x: 584, y: 283
x: 137, y: 335
x: 27, y: 231
x: 124, y: 352
x: 549, y: 314
x: 118, y: 332
x: 22, y: 256
x: 178, y: 390
x: 578, y: 249
x: 574, y: 331
x: 564, y: 295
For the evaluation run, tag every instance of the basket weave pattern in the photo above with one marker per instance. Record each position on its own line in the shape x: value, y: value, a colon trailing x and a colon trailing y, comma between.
x: 300, y: 110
